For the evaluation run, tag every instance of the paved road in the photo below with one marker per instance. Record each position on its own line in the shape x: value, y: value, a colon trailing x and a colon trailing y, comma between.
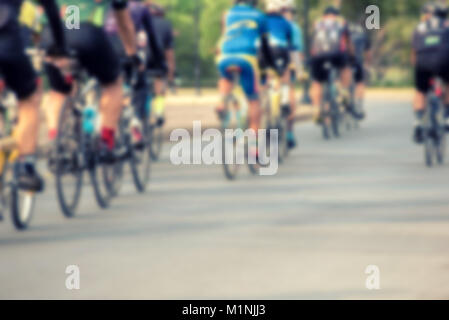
x: 308, y: 232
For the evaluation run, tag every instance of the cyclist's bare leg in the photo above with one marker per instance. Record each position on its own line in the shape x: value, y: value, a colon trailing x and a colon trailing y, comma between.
x: 111, y: 104
x: 446, y: 104
x: 254, y: 114
x: 317, y: 94
x: 225, y: 89
x: 360, y: 91
x: 419, y: 102
x: 53, y: 104
x: 26, y: 134
x: 159, y: 100
x: 419, y: 106
x: 346, y: 77
x: 26, y: 131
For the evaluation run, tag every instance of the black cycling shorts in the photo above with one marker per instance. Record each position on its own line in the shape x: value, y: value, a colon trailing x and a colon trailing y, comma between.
x: 320, y: 73
x: 429, y: 65
x: 359, y: 72
x: 15, y: 66
x: 95, y: 53
x: 281, y: 57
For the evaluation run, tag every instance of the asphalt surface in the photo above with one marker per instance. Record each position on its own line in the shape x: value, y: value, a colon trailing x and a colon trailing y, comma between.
x: 308, y: 232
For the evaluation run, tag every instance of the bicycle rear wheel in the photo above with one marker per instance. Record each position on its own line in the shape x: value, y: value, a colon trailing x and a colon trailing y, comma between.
x: 429, y: 150
x: 157, y: 141
x: 140, y: 161
x: 67, y: 155
x: 99, y: 172
x: 442, y: 146
x: 22, y: 207
x: 335, y: 119
x: 283, y: 144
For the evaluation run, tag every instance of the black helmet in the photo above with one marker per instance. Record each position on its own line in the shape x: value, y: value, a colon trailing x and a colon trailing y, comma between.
x: 249, y: 2
x: 441, y: 10
x: 428, y: 8
x: 332, y: 10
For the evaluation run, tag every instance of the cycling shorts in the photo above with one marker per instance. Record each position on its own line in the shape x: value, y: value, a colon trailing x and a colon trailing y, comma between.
x: 249, y: 72
x: 429, y: 65
x: 281, y: 57
x: 15, y: 66
x: 320, y: 73
x: 359, y: 71
x: 95, y: 53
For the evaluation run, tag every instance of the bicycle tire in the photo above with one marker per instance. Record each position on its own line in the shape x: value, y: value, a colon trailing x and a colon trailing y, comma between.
x: 102, y: 197
x: 335, y: 119
x: 428, y: 151
x: 141, y: 173
x: 22, y: 207
x: 68, y: 205
x: 441, y: 147
x: 157, y: 142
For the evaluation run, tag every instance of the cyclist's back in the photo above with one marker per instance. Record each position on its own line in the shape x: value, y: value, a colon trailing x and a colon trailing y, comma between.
x: 430, y: 51
x: 330, y: 43
x: 244, y: 27
x: 280, y: 39
x: 89, y: 41
x: 431, y: 45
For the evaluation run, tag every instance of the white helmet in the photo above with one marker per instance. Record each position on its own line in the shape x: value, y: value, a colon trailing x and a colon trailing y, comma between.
x: 290, y: 4
x: 279, y: 5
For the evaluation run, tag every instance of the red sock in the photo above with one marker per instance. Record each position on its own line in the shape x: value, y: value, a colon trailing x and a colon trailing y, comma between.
x: 108, y: 137
x: 52, y: 134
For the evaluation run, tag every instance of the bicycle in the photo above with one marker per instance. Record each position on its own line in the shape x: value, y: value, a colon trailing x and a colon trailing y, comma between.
x: 133, y: 121
x: 349, y: 121
x: 156, y: 123
x: 275, y: 104
x: 435, y: 142
x: 234, y: 123
x: 330, y: 111
x: 20, y: 202
x: 77, y: 144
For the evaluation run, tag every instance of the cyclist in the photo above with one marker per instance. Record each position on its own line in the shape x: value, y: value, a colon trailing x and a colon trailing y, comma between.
x: 430, y: 52
x: 330, y: 44
x: 20, y: 77
x: 244, y: 27
x: 149, y: 46
x: 296, y: 66
x: 164, y: 72
x: 280, y: 33
x: 362, y: 52
x: 95, y: 53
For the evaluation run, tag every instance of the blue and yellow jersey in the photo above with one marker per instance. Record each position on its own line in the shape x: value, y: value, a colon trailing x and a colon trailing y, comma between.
x: 298, y: 42
x: 31, y: 16
x: 244, y: 26
x: 280, y: 32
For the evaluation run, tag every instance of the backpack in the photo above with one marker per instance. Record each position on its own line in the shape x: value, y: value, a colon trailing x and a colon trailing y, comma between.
x: 329, y: 37
x: 431, y: 35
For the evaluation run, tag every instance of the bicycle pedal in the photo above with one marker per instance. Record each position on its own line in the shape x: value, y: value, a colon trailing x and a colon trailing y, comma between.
x: 160, y: 122
x: 286, y: 111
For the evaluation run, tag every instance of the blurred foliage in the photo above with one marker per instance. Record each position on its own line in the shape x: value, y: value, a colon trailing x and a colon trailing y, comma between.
x: 391, y: 44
